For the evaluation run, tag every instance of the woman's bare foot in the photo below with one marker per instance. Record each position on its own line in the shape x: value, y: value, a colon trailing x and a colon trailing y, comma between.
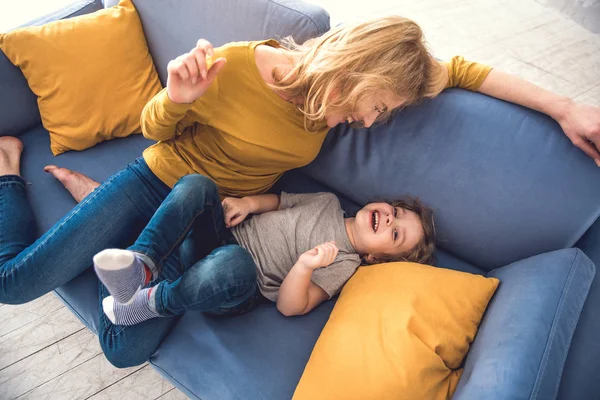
x: 77, y: 184
x: 10, y: 155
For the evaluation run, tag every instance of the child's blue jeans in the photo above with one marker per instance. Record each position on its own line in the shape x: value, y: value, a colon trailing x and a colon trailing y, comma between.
x: 219, y: 275
x: 112, y: 216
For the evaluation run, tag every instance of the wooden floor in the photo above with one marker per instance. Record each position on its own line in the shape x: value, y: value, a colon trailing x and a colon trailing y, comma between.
x: 46, y: 353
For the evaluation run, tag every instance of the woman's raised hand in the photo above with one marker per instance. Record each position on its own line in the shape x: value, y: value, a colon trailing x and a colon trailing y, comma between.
x: 190, y: 74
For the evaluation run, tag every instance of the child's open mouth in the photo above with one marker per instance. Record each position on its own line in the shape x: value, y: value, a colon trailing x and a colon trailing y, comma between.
x: 375, y: 220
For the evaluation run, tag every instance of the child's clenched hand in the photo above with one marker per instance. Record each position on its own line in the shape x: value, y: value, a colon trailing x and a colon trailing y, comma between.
x: 320, y: 256
x: 235, y: 210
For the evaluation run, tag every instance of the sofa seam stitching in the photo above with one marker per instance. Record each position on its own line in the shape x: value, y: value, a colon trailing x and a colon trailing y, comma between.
x: 573, y: 326
x: 575, y: 262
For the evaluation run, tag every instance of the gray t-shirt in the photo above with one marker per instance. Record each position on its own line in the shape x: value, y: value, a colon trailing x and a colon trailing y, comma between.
x: 277, y: 239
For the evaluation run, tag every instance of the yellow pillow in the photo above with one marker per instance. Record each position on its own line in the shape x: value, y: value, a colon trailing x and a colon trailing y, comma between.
x: 92, y: 75
x: 398, y: 331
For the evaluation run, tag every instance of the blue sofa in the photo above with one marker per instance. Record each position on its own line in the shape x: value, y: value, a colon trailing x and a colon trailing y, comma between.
x: 513, y: 199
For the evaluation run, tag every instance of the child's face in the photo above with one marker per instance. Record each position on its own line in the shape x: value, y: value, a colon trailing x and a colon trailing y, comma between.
x: 381, y: 229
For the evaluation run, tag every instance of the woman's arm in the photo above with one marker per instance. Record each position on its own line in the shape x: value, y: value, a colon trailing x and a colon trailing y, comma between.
x: 160, y: 117
x: 298, y: 295
x: 189, y: 77
x: 580, y: 123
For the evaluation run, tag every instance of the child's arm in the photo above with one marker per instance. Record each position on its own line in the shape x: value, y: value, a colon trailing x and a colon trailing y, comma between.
x: 298, y: 295
x: 189, y: 77
x: 236, y: 210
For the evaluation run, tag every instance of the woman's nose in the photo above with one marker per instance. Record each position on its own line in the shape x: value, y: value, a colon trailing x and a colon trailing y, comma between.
x: 369, y: 119
x: 368, y: 122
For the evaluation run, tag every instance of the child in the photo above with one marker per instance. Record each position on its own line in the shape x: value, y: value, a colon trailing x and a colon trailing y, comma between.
x: 297, y: 250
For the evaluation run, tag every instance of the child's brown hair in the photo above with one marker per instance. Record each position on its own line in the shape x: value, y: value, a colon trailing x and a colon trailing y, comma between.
x: 423, y: 252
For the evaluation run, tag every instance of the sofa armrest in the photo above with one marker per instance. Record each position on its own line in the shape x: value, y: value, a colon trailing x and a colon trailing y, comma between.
x: 523, y: 340
x: 581, y: 378
x: 18, y: 105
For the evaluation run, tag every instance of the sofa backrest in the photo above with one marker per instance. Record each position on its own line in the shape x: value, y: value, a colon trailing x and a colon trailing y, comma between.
x: 504, y: 181
x: 18, y: 104
x: 172, y: 27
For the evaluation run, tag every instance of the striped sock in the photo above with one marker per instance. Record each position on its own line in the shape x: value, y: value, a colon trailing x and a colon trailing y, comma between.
x: 122, y: 272
x: 138, y: 310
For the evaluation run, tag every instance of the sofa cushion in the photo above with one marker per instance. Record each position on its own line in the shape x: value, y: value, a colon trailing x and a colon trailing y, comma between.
x: 65, y: 63
x: 581, y: 376
x: 81, y: 296
x: 49, y: 199
x: 398, y: 331
x: 260, y: 355
x: 523, y: 341
x: 504, y: 181
x: 172, y: 29
x: 18, y: 105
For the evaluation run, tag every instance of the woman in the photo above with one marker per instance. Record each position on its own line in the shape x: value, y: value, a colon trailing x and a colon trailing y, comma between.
x: 255, y: 112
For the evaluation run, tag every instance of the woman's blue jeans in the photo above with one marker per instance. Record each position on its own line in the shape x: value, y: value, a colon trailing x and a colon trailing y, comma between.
x: 128, y: 208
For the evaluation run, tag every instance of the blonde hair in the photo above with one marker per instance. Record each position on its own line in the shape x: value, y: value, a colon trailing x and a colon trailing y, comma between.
x: 350, y: 63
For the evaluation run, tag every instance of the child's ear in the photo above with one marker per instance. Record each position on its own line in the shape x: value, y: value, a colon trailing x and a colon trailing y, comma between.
x: 371, y: 259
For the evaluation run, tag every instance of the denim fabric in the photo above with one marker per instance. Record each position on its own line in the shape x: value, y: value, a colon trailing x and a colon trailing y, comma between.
x: 224, y: 282
x: 113, y: 215
x: 48, y: 197
x: 220, y: 283
x: 16, y: 221
x: 193, y: 204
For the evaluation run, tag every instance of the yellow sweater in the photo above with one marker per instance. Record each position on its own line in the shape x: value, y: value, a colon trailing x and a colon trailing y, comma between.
x: 240, y: 133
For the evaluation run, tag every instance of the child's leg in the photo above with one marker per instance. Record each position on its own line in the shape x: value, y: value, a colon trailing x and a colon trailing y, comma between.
x: 127, y: 346
x: 223, y: 282
x: 193, y: 202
